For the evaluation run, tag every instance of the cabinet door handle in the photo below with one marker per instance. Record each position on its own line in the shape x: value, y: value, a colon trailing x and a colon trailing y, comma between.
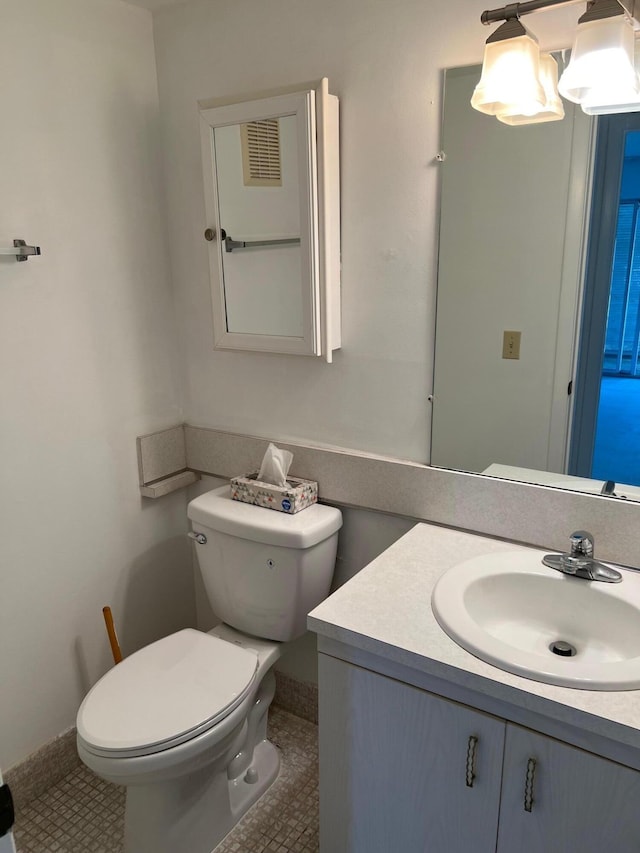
x: 528, y: 784
x: 470, y: 770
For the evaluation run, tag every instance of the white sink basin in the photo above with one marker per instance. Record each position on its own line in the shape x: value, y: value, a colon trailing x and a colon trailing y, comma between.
x: 508, y: 609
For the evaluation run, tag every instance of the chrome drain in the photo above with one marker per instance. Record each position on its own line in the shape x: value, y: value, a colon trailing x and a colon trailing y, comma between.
x: 565, y: 650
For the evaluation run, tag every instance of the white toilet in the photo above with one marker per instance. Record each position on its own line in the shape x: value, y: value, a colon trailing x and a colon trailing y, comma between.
x: 183, y: 722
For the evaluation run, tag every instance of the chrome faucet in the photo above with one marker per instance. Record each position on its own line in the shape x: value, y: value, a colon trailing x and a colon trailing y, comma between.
x: 580, y: 562
x: 582, y: 543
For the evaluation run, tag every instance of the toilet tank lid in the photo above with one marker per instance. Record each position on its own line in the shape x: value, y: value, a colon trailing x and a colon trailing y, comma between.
x: 217, y: 511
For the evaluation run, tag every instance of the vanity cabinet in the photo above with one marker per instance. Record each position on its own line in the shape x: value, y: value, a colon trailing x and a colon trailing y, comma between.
x: 404, y: 769
x: 579, y: 802
x: 393, y: 767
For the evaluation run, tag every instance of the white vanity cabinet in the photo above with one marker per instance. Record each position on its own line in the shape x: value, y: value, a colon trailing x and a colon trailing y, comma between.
x: 580, y: 802
x: 402, y: 769
x: 393, y: 767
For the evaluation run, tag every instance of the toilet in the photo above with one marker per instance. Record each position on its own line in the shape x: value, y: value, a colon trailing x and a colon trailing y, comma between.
x: 182, y: 723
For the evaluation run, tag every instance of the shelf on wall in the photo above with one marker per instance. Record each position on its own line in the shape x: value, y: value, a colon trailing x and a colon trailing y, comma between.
x: 169, y: 484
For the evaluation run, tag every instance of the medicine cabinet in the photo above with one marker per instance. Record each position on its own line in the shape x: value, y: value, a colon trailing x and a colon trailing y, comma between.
x: 271, y: 186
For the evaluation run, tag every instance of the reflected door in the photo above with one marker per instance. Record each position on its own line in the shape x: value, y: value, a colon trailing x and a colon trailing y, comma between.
x: 272, y: 201
x: 258, y: 198
x: 606, y: 432
x: 261, y: 191
x: 511, y: 235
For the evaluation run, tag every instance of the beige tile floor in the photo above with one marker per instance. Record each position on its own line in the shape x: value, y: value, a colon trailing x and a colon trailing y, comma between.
x: 83, y: 814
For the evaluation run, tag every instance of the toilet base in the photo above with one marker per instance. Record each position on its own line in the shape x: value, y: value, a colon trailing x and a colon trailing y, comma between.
x: 242, y: 793
x: 251, y: 785
x: 193, y: 814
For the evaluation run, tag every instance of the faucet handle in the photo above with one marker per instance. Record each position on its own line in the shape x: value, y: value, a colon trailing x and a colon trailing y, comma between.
x: 582, y: 543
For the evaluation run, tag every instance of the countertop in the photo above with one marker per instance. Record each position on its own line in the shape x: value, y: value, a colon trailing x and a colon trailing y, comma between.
x: 385, y: 611
x: 561, y: 481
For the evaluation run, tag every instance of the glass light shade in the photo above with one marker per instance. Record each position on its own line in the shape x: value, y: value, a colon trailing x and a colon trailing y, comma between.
x: 553, y: 109
x: 509, y: 78
x: 600, y: 102
x: 630, y: 104
x: 601, y: 61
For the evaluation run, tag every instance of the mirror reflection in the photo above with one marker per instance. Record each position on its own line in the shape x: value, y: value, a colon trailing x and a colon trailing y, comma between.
x: 259, y: 206
x: 270, y: 164
x: 538, y: 324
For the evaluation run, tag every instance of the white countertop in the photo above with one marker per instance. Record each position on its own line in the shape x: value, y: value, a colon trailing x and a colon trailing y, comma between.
x: 622, y: 491
x: 385, y: 610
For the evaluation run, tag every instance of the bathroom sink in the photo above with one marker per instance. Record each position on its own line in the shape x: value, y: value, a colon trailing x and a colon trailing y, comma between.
x: 511, y: 611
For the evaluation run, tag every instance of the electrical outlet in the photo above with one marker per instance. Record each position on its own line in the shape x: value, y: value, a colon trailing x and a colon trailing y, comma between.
x: 511, y: 344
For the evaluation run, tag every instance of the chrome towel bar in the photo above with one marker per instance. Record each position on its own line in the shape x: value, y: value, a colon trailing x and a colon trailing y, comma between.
x: 230, y: 244
x: 21, y: 250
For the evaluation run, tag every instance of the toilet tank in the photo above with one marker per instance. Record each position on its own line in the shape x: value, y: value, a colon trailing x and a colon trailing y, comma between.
x: 264, y: 570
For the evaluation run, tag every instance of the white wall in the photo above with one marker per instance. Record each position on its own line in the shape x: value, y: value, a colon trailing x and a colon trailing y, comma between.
x: 384, y: 60
x: 87, y: 347
x: 86, y: 331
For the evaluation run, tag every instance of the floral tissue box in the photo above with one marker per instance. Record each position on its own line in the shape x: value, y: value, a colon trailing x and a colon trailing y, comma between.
x: 296, y: 495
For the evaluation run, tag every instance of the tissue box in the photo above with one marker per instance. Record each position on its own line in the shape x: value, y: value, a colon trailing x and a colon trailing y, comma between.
x: 296, y: 495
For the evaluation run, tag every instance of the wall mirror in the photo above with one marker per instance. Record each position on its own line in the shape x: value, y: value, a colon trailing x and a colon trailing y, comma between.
x: 515, y: 316
x: 271, y: 182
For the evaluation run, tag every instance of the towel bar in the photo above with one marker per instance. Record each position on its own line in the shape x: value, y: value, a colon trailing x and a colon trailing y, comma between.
x: 230, y: 244
x: 21, y: 250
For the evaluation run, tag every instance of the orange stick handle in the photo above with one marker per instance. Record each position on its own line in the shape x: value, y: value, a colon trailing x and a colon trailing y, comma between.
x: 111, y: 632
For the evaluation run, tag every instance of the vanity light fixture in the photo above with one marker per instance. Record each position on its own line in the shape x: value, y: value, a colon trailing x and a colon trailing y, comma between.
x: 624, y: 100
x: 552, y: 109
x: 601, y: 66
x: 520, y: 86
x: 510, y: 80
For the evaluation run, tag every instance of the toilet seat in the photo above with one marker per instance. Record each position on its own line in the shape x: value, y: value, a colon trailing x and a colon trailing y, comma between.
x: 167, y: 693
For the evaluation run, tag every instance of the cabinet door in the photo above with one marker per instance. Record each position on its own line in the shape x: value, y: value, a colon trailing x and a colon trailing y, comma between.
x: 577, y: 801
x: 393, y: 767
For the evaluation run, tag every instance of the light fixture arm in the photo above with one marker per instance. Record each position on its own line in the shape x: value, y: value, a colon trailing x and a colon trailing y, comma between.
x: 516, y: 10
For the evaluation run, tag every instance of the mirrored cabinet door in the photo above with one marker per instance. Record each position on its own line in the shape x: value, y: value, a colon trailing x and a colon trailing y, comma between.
x: 271, y: 180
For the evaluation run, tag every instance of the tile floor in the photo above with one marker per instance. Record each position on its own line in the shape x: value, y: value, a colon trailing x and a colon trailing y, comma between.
x: 83, y: 814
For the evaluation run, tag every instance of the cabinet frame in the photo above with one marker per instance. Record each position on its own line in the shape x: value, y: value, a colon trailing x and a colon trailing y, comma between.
x: 317, y: 121
x: 468, y: 689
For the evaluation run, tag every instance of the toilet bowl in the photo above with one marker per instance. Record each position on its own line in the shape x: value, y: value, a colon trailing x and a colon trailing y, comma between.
x: 182, y: 723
